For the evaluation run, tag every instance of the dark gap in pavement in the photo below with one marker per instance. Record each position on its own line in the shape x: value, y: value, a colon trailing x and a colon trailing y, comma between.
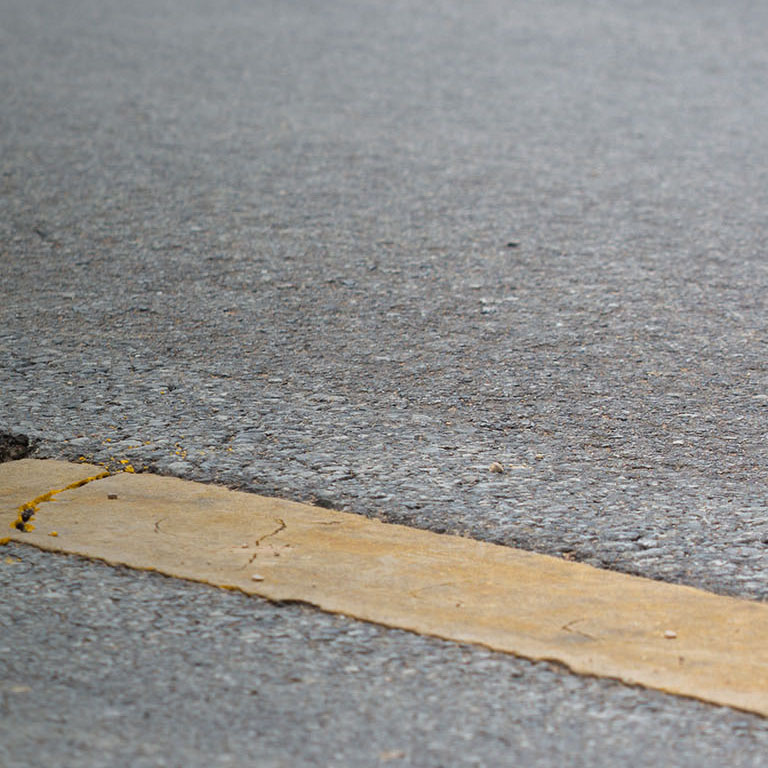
x: 15, y: 446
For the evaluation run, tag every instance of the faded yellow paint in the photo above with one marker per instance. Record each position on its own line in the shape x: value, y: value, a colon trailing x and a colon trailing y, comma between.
x: 673, y: 638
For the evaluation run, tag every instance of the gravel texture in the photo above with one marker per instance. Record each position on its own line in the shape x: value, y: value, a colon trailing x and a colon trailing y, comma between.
x: 109, y: 667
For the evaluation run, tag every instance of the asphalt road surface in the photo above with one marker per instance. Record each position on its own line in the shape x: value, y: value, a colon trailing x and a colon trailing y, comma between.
x: 354, y: 253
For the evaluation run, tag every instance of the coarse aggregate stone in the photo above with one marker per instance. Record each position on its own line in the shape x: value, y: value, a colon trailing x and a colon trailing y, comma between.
x: 109, y: 667
x: 355, y: 254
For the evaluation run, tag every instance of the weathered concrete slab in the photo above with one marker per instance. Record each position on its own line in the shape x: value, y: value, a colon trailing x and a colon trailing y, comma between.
x: 677, y: 639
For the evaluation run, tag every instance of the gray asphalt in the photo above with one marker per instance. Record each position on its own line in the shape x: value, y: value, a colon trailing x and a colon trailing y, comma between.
x: 107, y: 667
x: 355, y: 253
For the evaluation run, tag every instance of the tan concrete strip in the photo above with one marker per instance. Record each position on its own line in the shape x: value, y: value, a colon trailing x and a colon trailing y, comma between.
x: 26, y: 484
x: 673, y: 638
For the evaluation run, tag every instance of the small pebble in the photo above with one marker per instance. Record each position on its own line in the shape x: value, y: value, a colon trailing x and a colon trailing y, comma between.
x: 257, y: 577
x: 670, y: 634
x: 496, y: 467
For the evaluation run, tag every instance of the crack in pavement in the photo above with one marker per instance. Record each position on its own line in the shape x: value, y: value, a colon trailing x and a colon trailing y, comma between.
x: 281, y: 527
x: 29, y: 509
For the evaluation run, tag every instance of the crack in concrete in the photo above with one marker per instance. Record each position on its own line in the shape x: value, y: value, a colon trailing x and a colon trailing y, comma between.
x: 415, y: 592
x: 29, y: 509
x: 568, y: 628
x: 280, y: 527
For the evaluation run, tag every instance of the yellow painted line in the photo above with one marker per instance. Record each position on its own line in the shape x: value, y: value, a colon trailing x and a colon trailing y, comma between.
x: 676, y: 639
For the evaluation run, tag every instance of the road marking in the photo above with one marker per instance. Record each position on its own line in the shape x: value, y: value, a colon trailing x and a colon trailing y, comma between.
x: 672, y: 638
